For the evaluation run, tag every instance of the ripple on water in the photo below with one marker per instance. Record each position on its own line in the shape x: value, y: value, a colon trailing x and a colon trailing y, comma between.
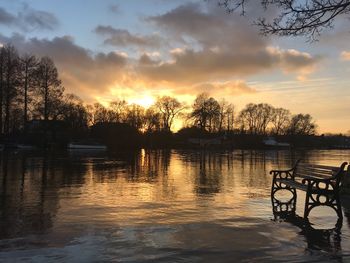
x: 159, y: 206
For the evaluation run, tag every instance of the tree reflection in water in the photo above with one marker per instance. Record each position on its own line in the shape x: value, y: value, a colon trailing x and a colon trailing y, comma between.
x: 43, y: 191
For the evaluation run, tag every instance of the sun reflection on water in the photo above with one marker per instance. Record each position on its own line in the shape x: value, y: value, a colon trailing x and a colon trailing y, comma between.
x: 165, y: 196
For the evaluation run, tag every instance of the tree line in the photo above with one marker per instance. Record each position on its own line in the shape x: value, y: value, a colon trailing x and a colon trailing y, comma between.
x: 30, y: 89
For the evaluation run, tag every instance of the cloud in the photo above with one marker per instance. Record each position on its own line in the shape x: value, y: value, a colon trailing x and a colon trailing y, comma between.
x: 28, y: 19
x: 35, y: 19
x: 114, y: 8
x: 218, y: 46
x: 208, y: 27
x: 123, y: 38
x: 6, y: 18
x: 82, y: 71
x: 345, y: 55
x: 206, y: 49
x: 190, y: 66
x: 229, y: 88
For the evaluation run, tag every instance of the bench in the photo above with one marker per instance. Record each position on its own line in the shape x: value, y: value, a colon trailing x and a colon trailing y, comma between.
x: 321, y: 184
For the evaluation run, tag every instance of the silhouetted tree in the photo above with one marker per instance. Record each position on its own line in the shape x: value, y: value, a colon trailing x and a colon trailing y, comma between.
x: 2, y: 85
x: 302, y: 124
x: 28, y: 64
x: 11, y: 78
x: 280, y: 120
x: 255, y: 118
x: 49, y: 87
x: 152, y: 120
x: 118, y: 109
x: 100, y: 114
x: 206, y: 112
x: 135, y: 116
x: 74, y: 112
x: 226, y: 117
x: 295, y: 17
x: 169, y: 108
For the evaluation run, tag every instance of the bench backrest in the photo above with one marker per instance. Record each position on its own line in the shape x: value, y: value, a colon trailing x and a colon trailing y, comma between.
x: 304, y: 170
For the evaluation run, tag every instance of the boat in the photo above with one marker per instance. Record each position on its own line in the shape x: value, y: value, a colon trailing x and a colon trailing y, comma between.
x: 86, y: 146
x: 24, y: 147
x: 271, y: 142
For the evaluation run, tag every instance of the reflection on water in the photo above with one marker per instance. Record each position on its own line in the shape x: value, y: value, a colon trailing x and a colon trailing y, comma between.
x: 159, y: 205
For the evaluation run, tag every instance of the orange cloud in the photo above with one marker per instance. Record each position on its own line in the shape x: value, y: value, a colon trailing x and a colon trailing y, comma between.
x: 345, y: 55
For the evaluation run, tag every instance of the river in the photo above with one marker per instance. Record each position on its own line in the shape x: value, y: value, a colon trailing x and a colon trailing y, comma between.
x: 159, y: 206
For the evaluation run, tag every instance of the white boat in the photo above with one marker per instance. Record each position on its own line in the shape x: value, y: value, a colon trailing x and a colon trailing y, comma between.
x: 270, y: 141
x: 87, y: 146
x: 25, y: 147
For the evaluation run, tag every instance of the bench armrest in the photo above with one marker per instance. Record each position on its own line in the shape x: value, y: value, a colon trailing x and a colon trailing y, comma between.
x: 282, y: 174
x: 281, y: 171
x: 285, y: 174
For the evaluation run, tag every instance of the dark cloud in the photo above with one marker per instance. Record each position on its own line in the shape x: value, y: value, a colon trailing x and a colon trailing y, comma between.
x: 190, y: 66
x: 6, y: 18
x: 209, y: 28
x: 146, y: 60
x: 219, y: 46
x: 36, y: 19
x: 123, y: 38
x: 28, y: 19
x: 114, y: 8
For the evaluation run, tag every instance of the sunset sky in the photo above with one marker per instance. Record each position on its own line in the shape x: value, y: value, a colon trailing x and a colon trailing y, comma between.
x: 140, y: 49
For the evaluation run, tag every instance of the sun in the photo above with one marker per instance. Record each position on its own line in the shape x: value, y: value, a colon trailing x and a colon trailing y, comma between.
x: 145, y: 101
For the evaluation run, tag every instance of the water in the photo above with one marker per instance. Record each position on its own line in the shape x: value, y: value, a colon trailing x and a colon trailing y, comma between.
x: 158, y: 206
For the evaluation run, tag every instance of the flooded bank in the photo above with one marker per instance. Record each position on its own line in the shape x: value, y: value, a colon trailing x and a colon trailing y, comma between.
x: 158, y: 206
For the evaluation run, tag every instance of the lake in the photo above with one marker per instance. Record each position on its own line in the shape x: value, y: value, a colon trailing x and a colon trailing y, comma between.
x: 159, y: 206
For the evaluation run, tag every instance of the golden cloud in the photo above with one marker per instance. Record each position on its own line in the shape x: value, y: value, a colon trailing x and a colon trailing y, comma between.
x: 345, y: 55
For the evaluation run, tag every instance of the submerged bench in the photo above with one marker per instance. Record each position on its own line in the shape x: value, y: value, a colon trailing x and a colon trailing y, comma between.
x: 321, y: 184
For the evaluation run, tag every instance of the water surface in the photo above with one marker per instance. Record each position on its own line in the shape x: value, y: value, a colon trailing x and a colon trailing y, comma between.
x: 158, y: 206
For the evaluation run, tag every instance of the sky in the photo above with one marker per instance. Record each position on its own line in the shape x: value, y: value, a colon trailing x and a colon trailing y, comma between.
x: 141, y: 49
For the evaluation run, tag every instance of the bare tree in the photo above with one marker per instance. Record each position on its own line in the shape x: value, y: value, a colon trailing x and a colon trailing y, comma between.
x: 2, y: 85
x: 11, y: 82
x: 255, y: 118
x: 73, y: 112
x: 168, y: 108
x: 280, y: 120
x: 100, y: 114
x: 206, y: 112
x: 135, y: 116
x: 230, y: 117
x: 302, y: 124
x: 152, y: 119
x: 306, y: 17
x: 118, y: 108
x: 28, y: 64
x: 49, y: 86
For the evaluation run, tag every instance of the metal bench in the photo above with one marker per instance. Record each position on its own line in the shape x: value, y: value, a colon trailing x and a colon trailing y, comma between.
x: 321, y: 184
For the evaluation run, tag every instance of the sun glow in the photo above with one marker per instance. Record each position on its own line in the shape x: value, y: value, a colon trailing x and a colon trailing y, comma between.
x: 145, y: 101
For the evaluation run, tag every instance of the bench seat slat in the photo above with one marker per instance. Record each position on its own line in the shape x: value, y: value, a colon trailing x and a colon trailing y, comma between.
x: 308, y: 176
x: 303, y: 187
x: 321, y: 167
x: 312, y: 174
x: 316, y: 170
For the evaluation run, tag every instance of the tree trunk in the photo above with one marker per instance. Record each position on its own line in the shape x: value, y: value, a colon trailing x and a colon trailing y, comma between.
x: 7, y: 104
x: 25, y: 116
x: 1, y: 93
